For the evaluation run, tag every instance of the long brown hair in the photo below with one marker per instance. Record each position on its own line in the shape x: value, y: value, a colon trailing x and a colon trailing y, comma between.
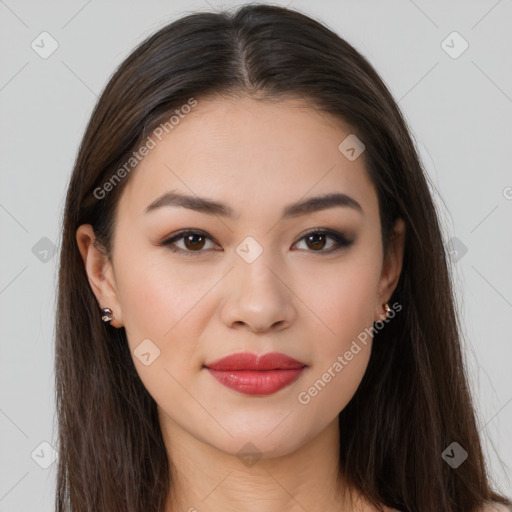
x: 414, y: 399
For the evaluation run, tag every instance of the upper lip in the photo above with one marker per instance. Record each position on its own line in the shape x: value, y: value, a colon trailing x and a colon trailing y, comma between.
x: 250, y: 361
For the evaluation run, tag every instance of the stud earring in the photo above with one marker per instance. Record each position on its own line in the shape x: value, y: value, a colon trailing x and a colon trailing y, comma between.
x: 387, y: 309
x: 107, y: 314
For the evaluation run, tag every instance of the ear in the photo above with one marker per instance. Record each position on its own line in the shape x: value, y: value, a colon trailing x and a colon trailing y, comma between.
x: 391, y: 268
x: 100, y: 272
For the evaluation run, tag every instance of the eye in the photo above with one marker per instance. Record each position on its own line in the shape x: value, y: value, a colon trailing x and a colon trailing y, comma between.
x: 316, y: 240
x: 194, y: 241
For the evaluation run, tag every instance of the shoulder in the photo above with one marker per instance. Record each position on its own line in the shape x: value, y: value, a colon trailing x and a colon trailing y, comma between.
x: 494, y: 507
x: 491, y: 507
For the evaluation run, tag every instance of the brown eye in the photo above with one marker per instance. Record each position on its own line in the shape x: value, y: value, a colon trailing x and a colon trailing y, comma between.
x: 194, y: 241
x: 317, y: 240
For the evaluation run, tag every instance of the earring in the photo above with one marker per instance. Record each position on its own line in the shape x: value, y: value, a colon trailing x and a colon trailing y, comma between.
x: 107, y: 314
x: 387, y: 309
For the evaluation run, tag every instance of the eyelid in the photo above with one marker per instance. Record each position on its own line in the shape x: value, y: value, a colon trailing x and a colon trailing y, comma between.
x: 168, y: 241
x: 340, y: 238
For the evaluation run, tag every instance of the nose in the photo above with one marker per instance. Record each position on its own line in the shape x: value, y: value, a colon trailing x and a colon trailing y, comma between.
x: 258, y: 297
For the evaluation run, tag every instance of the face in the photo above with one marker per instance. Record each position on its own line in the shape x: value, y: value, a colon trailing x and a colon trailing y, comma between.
x: 249, y: 274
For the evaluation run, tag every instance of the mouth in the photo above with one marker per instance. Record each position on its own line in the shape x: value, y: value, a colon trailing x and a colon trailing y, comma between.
x: 256, y: 375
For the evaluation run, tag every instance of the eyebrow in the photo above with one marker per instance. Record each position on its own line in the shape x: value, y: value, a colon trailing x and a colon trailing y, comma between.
x: 211, y: 207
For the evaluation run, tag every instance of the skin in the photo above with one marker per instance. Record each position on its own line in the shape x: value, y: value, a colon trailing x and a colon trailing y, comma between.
x: 295, y: 298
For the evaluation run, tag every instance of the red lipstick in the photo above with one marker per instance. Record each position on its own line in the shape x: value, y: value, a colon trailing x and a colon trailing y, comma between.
x: 256, y: 375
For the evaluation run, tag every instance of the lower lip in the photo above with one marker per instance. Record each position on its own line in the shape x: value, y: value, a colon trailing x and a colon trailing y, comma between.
x: 252, y: 382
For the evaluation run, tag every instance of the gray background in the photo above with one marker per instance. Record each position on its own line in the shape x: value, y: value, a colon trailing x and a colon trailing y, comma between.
x: 460, y: 112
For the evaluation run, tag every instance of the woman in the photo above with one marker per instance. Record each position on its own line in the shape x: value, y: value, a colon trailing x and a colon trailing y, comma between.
x: 255, y: 310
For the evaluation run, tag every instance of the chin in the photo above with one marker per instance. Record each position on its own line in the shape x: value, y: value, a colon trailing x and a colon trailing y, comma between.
x: 261, y: 442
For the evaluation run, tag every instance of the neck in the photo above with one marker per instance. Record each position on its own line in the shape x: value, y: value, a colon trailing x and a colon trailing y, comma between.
x: 207, y: 478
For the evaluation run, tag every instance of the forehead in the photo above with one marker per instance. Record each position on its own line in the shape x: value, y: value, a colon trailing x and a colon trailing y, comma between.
x: 250, y: 154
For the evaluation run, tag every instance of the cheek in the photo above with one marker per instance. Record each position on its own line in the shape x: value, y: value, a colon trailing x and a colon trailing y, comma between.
x: 339, y: 360
x: 162, y: 304
x: 341, y: 353
x: 342, y: 301
x: 169, y: 305
x: 156, y: 296
x: 332, y: 385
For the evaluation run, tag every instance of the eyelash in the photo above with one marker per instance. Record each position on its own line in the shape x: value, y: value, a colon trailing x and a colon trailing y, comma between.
x: 339, y: 238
